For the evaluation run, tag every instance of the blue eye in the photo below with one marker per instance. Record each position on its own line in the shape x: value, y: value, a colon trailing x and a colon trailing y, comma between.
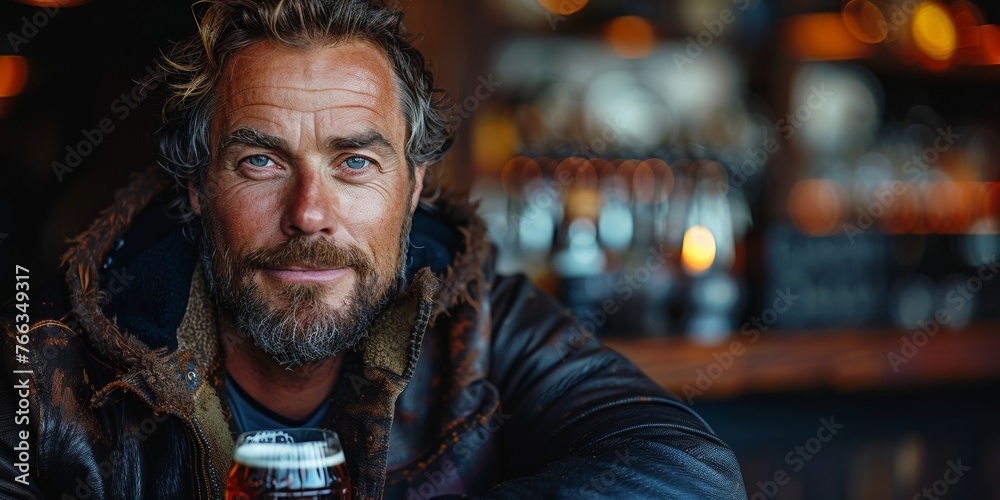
x: 259, y: 161
x: 357, y: 163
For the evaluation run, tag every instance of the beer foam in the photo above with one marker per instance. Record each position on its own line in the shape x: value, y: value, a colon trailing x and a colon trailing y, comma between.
x: 309, y: 455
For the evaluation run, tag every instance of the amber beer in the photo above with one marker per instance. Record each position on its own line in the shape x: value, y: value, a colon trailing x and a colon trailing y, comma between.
x: 288, y: 463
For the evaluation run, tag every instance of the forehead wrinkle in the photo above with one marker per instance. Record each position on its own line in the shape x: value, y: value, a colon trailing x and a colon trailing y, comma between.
x: 356, y: 78
x: 232, y: 126
x: 366, y: 84
x: 372, y: 77
x: 284, y: 97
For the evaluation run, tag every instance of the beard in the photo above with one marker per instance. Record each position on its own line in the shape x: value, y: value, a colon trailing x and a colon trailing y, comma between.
x: 295, y: 326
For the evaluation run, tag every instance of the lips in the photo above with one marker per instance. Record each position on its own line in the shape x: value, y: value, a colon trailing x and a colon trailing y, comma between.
x: 308, y: 275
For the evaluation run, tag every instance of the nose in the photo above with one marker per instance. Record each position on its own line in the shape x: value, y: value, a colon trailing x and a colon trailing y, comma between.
x: 309, y: 206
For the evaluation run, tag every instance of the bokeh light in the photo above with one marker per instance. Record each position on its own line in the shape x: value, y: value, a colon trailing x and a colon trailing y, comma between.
x: 821, y: 36
x: 13, y: 75
x: 697, y: 250
x: 865, y: 21
x: 644, y: 183
x: 563, y: 7
x: 510, y: 176
x: 947, y: 211
x: 817, y: 206
x: 988, y: 44
x: 494, y: 137
x: 934, y: 32
x: 903, y: 213
x: 631, y: 37
x: 969, y: 42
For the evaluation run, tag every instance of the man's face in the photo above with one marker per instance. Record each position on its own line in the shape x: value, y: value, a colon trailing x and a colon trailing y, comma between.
x: 308, y: 199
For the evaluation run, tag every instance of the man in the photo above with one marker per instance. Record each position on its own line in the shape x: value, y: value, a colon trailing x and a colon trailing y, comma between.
x: 314, y: 288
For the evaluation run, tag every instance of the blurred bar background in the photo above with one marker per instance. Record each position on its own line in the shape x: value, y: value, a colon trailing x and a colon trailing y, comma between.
x: 786, y: 212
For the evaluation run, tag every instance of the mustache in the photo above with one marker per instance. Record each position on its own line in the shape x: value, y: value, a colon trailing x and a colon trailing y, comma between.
x: 309, y: 253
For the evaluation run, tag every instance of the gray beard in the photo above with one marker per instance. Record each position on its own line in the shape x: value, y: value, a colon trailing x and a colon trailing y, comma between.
x: 304, y: 331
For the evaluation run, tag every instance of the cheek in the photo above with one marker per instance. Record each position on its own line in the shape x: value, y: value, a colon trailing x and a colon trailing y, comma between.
x: 241, y: 216
x: 376, y: 225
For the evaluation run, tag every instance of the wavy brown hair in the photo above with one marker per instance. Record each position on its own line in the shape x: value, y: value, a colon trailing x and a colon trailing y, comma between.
x: 193, y: 68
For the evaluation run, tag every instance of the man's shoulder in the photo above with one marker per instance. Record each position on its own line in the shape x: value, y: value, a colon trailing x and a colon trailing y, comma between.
x: 45, y: 347
x: 42, y: 336
x: 42, y: 308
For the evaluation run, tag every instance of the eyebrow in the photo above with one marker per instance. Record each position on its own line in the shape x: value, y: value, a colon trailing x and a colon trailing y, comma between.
x: 256, y: 138
x: 369, y: 139
x: 251, y: 137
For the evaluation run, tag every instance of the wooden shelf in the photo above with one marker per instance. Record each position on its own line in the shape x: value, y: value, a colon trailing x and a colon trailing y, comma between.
x: 845, y: 360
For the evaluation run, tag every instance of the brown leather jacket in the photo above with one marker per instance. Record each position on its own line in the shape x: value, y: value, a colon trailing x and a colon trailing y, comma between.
x: 469, y: 383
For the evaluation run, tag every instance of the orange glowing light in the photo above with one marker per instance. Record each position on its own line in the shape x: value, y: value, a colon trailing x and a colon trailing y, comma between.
x: 934, y: 32
x: 510, y: 176
x: 605, y: 169
x: 531, y: 174
x: 865, y: 21
x: 13, y: 75
x: 947, y: 212
x: 697, y: 250
x: 563, y: 7
x: 585, y: 173
x: 902, y: 212
x: 626, y: 171
x: 987, y: 49
x: 821, y: 36
x: 964, y: 14
x: 817, y: 206
x: 662, y: 172
x: 631, y: 37
x: 493, y: 140
x: 993, y: 200
x: 644, y: 183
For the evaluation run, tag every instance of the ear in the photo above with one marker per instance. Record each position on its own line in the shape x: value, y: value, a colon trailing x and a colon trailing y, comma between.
x: 418, y: 187
x: 193, y: 198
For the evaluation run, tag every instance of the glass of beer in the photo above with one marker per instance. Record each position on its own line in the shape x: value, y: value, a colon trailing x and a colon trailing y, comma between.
x: 288, y: 463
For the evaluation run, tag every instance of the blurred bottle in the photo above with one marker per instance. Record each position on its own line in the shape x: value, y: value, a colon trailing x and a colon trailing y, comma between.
x: 644, y: 279
x: 537, y: 215
x: 579, y: 262
x: 708, y: 252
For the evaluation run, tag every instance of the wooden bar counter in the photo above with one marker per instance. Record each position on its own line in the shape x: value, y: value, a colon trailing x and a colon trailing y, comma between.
x: 844, y: 360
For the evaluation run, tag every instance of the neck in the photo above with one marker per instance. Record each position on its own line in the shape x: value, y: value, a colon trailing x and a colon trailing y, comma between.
x: 292, y: 393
